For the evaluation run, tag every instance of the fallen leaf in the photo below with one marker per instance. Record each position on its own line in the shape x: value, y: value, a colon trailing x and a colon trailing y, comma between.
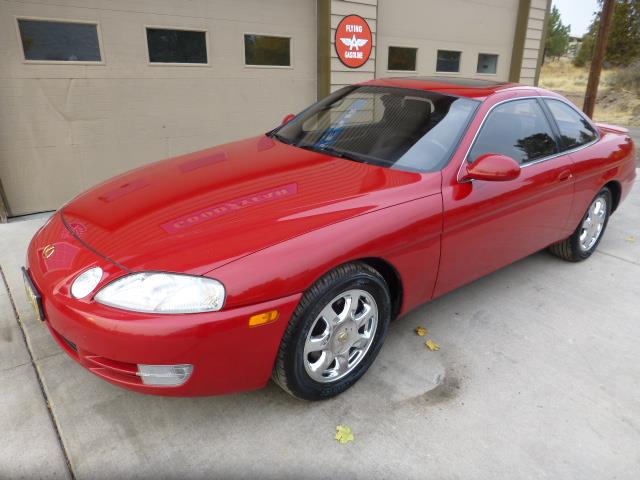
x: 631, y: 239
x: 344, y: 434
x: 421, y: 331
x: 431, y: 345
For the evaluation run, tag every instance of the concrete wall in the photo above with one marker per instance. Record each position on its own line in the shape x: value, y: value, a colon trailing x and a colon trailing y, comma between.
x: 66, y: 127
x: 469, y: 26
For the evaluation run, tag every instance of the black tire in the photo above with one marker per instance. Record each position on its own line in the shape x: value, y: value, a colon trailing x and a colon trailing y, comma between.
x: 569, y: 249
x: 289, y: 371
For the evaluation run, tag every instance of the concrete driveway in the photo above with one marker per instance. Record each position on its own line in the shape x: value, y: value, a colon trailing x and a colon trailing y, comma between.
x: 538, y: 376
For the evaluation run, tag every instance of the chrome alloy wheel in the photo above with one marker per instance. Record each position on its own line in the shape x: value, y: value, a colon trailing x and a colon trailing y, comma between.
x: 594, y: 223
x: 340, y: 336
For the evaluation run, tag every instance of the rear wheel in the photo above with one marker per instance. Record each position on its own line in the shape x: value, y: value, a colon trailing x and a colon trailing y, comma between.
x: 335, y: 333
x: 585, y: 239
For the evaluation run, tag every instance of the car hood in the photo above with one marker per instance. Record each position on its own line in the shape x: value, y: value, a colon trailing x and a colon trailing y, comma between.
x: 196, y: 212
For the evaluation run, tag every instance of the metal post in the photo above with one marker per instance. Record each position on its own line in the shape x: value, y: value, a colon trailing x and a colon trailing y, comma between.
x: 599, y: 50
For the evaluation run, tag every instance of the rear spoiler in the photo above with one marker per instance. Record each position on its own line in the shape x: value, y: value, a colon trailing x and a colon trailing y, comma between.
x: 612, y: 128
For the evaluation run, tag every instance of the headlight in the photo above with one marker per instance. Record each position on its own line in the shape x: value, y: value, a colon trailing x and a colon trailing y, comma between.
x: 158, y: 292
x: 86, y: 282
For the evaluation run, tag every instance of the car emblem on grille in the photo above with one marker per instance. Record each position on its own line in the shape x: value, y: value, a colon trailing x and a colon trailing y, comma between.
x: 48, y: 251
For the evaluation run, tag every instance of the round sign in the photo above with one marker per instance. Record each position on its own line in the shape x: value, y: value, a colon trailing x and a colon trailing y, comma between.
x: 353, y: 41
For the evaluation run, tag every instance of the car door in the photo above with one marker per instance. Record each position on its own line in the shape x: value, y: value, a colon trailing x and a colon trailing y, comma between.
x: 489, y: 224
x: 576, y: 135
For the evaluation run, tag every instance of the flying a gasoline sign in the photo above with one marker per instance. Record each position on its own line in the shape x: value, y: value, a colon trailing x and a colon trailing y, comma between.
x: 353, y: 41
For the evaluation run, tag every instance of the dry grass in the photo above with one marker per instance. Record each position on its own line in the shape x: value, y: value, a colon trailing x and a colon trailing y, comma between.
x: 614, y: 105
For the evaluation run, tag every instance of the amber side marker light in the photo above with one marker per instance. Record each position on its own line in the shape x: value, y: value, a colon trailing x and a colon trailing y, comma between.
x: 263, y: 318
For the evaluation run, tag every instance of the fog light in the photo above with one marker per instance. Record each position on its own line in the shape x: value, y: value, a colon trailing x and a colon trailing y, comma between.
x: 165, y: 375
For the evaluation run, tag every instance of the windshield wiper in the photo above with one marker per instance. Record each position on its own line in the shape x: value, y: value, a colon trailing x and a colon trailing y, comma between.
x: 280, y: 138
x: 321, y: 149
x: 334, y: 152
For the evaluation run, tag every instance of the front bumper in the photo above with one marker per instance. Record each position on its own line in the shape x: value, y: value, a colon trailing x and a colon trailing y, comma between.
x: 227, y: 355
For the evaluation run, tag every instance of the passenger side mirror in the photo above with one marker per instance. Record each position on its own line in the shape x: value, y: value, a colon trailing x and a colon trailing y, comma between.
x: 493, y: 167
x: 288, y: 118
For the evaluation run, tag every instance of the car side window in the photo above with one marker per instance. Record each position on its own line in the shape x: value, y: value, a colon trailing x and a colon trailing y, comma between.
x: 518, y: 129
x: 575, y: 130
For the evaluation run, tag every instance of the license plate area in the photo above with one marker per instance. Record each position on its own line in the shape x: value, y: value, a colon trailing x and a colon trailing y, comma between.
x: 33, y: 295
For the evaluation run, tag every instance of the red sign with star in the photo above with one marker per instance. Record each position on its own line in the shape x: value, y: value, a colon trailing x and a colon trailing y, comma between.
x: 353, y: 41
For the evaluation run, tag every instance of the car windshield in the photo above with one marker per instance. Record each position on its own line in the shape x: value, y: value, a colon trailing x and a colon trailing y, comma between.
x: 411, y: 130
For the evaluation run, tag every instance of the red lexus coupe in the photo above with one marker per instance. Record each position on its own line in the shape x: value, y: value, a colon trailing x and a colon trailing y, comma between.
x: 286, y: 255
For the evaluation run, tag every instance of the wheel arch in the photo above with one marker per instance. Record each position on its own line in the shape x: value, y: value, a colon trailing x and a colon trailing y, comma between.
x: 392, y: 278
x: 616, y: 191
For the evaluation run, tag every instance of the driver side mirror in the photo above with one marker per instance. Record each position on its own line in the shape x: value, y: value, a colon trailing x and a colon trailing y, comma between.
x: 288, y: 118
x: 493, y: 167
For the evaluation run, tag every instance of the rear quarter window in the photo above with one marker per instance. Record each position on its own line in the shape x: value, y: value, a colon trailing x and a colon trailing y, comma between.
x: 575, y: 130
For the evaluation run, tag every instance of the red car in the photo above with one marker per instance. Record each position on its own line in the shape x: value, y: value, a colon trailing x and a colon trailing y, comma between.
x: 286, y: 256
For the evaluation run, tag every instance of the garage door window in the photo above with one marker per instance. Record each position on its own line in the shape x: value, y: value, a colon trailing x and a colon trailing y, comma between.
x: 177, y: 46
x: 402, y: 59
x: 487, y: 63
x: 267, y: 51
x: 59, y: 41
x: 448, y: 61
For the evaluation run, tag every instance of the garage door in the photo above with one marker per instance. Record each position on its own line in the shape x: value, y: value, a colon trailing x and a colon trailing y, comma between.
x: 89, y: 92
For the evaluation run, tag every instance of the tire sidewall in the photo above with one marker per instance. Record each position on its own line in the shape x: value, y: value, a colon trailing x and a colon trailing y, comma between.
x: 575, y: 240
x: 301, y: 384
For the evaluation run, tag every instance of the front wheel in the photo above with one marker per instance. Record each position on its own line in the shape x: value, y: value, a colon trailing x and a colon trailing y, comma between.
x: 584, y: 240
x: 335, y: 333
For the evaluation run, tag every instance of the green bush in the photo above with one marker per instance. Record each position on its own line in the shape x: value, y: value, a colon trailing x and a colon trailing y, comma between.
x: 627, y: 78
x: 623, y: 46
x: 583, y: 57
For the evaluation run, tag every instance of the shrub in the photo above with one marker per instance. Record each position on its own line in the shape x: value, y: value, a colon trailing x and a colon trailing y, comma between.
x: 583, y: 57
x: 627, y: 78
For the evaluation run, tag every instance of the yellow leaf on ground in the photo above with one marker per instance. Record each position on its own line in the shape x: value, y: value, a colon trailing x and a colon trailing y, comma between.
x: 344, y: 434
x: 421, y: 331
x: 431, y: 345
x: 631, y: 239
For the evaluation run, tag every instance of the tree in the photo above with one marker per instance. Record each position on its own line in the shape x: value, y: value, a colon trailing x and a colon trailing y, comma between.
x: 623, y: 46
x: 586, y: 50
x: 557, y: 40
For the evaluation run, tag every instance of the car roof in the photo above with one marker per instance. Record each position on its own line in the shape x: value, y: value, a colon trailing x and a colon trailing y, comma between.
x: 463, y: 87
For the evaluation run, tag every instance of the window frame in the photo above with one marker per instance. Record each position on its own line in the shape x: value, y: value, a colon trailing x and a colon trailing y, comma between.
x: 279, y: 67
x: 176, y: 64
x: 415, y: 70
x: 551, y: 121
x: 26, y: 61
x: 444, y: 72
x: 497, y: 55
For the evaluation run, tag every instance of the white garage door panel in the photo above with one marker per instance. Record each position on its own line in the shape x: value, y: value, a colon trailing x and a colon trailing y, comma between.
x: 67, y: 127
x: 471, y: 27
